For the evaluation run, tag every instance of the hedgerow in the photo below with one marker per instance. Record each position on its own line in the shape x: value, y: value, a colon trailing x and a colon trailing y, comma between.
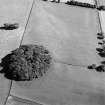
x: 77, y: 3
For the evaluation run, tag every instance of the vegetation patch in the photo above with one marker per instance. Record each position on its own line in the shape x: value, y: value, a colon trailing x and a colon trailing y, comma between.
x: 77, y: 3
x: 8, y: 26
x: 101, y: 53
x: 102, y: 7
x: 26, y: 63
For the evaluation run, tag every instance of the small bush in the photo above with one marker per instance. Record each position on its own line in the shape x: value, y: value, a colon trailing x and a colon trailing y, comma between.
x: 102, y: 7
x: 93, y: 66
x: 100, y: 68
x: 26, y: 63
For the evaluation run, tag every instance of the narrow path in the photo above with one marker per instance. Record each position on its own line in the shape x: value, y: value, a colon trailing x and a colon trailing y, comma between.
x: 27, y: 22
x: 26, y: 101
x: 70, y: 64
x: 99, y: 20
x: 8, y: 93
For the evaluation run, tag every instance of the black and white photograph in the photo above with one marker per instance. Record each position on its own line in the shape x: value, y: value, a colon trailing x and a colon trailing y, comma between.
x: 52, y: 52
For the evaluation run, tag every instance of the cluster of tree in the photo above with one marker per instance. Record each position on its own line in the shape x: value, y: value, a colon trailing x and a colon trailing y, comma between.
x: 72, y: 2
x: 101, y: 52
x: 57, y: 1
x: 26, y: 63
x: 102, y: 7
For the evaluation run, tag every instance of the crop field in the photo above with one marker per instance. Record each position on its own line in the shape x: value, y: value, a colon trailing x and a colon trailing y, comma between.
x: 70, y: 33
x: 71, y: 37
x: 10, y: 12
x: 64, y: 85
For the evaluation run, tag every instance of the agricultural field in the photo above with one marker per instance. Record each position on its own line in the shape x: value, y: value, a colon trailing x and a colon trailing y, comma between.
x: 101, y: 2
x: 64, y: 85
x: 70, y: 34
x: 72, y: 40
x: 74, y: 33
x: 10, y: 12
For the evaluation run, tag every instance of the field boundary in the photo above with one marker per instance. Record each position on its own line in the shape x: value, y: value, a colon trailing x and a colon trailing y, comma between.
x: 5, y: 102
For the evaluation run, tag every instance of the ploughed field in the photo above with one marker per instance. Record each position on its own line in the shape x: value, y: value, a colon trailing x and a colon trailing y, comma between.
x: 70, y: 34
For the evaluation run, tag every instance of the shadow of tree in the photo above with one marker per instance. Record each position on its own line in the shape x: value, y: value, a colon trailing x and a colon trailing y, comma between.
x: 100, y: 43
x: 100, y: 37
x: 5, y: 68
x: 100, y: 68
x: 99, y: 50
x: 103, y: 62
x: 102, y: 54
x: 8, y: 26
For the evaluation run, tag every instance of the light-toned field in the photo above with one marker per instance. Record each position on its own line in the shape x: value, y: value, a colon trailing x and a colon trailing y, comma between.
x: 70, y: 34
x: 64, y: 85
x: 101, y: 2
x: 11, y: 12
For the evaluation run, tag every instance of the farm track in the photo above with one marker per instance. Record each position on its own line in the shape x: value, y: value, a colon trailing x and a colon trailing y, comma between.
x: 99, y: 21
x: 26, y: 101
x: 8, y: 93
